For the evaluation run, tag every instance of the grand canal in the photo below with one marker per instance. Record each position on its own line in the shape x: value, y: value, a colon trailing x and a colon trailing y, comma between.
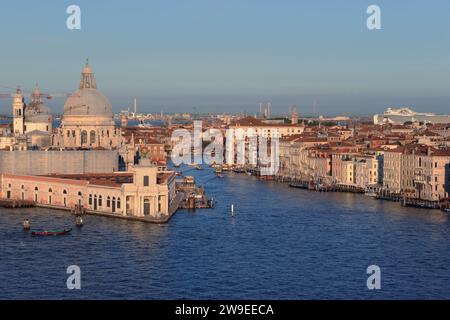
x: 282, y: 243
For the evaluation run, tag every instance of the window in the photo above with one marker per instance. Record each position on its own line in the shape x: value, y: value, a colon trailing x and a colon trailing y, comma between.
x: 99, y: 201
x: 83, y: 137
x: 118, y: 203
x: 92, y: 137
x: 146, y: 206
x: 146, y: 181
x: 90, y: 199
x: 108, y: 202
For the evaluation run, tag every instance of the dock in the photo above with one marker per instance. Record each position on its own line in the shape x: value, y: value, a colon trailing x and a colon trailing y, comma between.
x: 13, y: 203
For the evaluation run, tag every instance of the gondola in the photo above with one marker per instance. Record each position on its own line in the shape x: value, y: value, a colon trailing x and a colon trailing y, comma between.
x: 51, y: 232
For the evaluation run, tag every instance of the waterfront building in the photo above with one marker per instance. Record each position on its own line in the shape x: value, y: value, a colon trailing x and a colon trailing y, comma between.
x: 355, y: 170
x: 418, y: 171
x: 144, y: 192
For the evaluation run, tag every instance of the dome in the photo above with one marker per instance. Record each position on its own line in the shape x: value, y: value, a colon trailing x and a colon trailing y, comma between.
x: 37, y: 112
x: 88, y: 102
x: 88, y: 105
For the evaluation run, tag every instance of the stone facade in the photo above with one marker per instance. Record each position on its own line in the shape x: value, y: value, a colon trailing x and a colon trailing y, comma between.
x: 48, y: 162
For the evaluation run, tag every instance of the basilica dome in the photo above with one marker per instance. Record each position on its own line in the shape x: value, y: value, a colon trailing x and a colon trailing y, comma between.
x: 87, y: 104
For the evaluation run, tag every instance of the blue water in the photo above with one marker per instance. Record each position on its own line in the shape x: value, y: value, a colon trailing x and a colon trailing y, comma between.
x: 283, y: 243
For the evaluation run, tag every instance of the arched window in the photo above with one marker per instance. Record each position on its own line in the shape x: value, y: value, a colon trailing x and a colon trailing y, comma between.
x: 92, y: 138
x: 118, y: 203
x: 99, y: 201
x: 108, y: 202
x: 83, y: 137
x: 65, y: 192
x: 50, y: 190
x: 90, y: 199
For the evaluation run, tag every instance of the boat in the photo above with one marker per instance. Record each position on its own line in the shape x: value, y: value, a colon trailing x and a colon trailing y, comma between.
x: 218, y: 170
x: 219, y: 175
x: 79, y: 221
x: 51, y: 232
x: 198, y: 167
x: 446, y: 210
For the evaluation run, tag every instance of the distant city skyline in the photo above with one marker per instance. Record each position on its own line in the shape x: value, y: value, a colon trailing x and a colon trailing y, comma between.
x: 226, y: 57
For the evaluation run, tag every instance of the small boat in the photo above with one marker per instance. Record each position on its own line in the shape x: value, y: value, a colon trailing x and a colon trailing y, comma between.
x: 219, y: 175
x: 446, y: 210
x: 79, y: 221
x: 51, y: 232
x: 198, y: 167
x: 26, y: 225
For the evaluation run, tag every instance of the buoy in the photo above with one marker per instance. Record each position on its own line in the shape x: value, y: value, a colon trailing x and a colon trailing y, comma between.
x: 232, y: 209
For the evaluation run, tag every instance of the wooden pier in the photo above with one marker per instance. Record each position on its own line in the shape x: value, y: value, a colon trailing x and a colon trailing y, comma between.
x: 13, y: 203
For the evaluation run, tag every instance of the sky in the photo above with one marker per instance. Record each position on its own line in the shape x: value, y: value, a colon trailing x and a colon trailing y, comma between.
x: 227, y: 56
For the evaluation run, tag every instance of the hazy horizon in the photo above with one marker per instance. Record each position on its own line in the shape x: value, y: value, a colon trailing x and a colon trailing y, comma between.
x: 226, y: 57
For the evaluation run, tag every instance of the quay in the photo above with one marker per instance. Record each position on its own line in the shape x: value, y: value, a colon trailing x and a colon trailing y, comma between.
x: 161, y: 219
x: 13, y: 203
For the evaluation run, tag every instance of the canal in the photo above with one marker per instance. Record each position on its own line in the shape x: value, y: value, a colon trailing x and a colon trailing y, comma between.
x: 281, y: 243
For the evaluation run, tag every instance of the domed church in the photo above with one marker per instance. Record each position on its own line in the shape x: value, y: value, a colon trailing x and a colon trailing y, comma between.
x: 88, y: 120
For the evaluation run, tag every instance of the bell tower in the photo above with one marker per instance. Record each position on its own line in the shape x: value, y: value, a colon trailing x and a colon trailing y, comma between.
x: 19, y: 112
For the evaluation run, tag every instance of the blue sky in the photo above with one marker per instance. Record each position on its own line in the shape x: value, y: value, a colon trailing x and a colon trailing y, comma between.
x: 227, y: 55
